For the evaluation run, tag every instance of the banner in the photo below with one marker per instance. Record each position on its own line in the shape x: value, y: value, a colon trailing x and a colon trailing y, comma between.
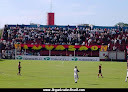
x: 104, y: 48
x: 57, y: 58
x: 17, y: 46
x: 63, y: 47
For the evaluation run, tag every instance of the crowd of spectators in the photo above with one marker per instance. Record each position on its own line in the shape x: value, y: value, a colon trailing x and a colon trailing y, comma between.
x: 114, y: 38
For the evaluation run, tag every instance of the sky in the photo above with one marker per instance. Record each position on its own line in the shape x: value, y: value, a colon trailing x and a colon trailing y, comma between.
x: 67, y: 12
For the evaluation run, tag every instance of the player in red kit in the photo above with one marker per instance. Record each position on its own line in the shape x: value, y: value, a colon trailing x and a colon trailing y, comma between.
x: 19, y: 68
x: 100, y: 71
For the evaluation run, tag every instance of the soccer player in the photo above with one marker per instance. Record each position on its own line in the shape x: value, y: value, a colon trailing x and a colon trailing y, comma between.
x: 19, y: 68
x: 126, y: 76
x: 76, y: 77
x: 100, y: 71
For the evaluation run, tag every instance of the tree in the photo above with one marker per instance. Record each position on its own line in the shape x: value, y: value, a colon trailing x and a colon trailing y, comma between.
x: 121, y: 24
x: 1, y: 30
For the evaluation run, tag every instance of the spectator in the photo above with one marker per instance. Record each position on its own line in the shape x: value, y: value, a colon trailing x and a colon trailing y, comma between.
x: 65, y: 36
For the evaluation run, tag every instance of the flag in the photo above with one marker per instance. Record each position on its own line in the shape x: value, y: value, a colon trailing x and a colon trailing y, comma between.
x: 18, y: 46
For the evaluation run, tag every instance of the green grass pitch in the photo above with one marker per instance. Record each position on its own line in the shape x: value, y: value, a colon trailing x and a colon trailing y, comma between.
x: 59, y: 74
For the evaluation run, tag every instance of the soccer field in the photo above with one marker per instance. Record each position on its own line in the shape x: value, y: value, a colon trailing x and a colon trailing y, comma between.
x: 59, y: 74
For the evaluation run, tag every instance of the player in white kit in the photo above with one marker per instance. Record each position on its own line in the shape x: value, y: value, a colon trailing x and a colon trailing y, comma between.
x: 76, y: 77
x: 126, y: 76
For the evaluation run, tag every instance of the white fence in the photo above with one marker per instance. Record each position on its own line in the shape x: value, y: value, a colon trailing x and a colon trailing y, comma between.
x: 117, y: 55
x: 56, y: 58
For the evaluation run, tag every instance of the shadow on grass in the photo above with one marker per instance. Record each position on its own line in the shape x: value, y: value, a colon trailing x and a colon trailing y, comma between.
x: 1, y: 60
x: 114, y: 78
x: 93, y: 84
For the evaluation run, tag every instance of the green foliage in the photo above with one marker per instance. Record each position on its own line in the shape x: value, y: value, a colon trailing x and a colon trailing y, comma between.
x: 1, y: 30
x: 121, y: 24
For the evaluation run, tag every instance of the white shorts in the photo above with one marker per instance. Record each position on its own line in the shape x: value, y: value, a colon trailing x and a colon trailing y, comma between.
x: 127, y: 74
x: 76, y: 76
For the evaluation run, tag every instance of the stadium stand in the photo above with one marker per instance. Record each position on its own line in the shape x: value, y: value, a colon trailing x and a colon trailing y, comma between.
x: 116, y: 38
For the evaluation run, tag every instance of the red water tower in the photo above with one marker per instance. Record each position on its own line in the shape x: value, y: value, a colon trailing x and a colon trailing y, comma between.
x: 50, y: 19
